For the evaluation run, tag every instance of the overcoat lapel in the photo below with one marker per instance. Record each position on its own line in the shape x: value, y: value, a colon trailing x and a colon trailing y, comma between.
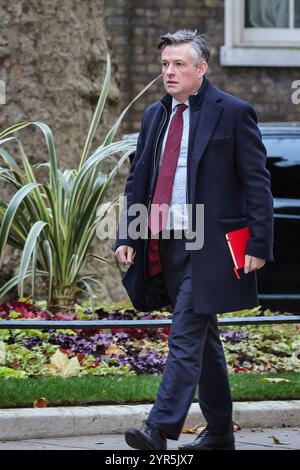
x: 203, y: 122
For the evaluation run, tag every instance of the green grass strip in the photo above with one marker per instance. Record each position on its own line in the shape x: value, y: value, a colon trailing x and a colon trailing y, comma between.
x: 88, y: 390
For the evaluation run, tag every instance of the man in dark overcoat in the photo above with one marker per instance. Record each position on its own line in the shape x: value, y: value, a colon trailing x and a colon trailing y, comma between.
x: 200, y: 153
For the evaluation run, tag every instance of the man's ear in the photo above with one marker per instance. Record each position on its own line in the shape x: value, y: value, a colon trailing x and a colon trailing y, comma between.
x: 202, y: 69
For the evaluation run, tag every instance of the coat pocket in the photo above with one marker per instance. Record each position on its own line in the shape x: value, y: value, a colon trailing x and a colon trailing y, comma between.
x: 223, y: 141
x: 240, y: 219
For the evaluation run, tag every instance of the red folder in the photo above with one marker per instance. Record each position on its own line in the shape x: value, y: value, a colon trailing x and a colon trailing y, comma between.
x: 237, y: 242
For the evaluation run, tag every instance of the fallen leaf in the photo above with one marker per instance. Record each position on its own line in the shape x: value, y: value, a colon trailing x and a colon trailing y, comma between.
x: 41, y: 403
x: 15, y: 364
x: 276, y: 440
x: 236, y: 426
x: 61, y: 365
x: 276, y: 380
x: 113, y: 349
x: 194, y: 430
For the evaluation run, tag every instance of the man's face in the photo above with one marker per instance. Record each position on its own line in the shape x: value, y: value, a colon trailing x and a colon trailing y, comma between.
x: 182, y: 76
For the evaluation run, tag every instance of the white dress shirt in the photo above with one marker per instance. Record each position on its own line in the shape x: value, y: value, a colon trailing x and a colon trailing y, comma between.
x: 178, y: 215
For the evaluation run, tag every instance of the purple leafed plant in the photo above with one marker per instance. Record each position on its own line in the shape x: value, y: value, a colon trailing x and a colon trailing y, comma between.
x: 145, y: 362
x: 234, y: 336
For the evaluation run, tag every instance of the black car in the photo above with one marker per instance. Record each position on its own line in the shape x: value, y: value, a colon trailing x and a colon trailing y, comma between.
x: 279, y: 282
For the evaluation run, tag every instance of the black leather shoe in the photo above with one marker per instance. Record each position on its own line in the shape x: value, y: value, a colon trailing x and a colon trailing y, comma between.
x: 207, y: 441
x: 147, y: 438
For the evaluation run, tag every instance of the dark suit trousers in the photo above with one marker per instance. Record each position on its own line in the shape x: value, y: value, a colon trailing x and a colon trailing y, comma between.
x: 196, y: 355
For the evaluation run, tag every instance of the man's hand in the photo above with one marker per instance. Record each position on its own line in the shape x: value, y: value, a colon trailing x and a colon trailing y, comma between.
x: 252, y: 263
x: 125, y: 254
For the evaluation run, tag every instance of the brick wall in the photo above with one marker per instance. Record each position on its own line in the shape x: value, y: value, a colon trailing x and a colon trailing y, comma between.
x: 134, y: 28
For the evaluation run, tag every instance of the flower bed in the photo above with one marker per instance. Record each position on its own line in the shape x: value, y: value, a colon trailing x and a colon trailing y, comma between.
x: 30, y: 353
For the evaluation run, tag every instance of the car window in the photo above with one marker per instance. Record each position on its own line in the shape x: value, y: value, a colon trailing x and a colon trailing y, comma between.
x: 284, y: 164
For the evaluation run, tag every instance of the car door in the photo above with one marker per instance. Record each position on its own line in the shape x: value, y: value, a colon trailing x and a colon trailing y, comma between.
x: 279, y: 282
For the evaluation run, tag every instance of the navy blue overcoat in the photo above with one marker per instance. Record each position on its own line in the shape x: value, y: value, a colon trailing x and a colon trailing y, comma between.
x: 226, y: 171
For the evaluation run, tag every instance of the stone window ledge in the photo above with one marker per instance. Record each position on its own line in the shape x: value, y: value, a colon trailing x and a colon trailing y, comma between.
x: 260, y: 56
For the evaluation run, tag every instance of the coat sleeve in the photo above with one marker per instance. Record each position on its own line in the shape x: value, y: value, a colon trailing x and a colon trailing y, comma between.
x: 251, y: 163
x: 124, y: 238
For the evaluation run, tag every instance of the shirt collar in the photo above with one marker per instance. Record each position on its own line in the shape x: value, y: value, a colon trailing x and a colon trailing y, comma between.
x: 175, y: 102
x: 194, y: 101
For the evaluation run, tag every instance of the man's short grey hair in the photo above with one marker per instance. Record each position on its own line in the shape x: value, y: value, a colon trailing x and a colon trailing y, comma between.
x: 187, y: 36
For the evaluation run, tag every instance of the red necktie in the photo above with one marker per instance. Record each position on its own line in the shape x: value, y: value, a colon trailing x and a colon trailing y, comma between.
x: 158, y: 216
